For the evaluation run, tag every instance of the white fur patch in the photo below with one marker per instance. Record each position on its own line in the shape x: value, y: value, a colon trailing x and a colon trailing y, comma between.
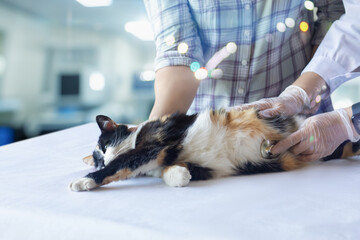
x: 83, y: 184
x: 150, y: 166
x: 154, y: 173
x: 214, y: 146
x: 177, y: 176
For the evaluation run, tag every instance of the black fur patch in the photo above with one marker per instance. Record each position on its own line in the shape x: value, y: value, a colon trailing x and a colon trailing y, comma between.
x: 199, y: 173
x: 113, y: 138
x: 171, y: 131
x: 133, y: 159
x: 355, y: 147
x: 264, y: 167
x: 337, y: 153
x: 281, y: 123
x: 98, y: 159
x: 172, y: 154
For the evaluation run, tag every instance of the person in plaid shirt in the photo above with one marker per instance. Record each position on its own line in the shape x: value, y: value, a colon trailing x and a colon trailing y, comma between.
x: 268, y: 42
x: 336, y: 61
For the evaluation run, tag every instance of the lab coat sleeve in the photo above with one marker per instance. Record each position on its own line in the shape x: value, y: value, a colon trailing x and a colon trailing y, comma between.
x: 339, y: 52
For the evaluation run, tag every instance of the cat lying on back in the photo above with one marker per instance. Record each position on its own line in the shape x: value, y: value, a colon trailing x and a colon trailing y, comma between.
x: 180, y: 148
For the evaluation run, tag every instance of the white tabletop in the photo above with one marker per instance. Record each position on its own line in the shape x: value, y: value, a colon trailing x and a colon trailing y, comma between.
x: 321, y: 201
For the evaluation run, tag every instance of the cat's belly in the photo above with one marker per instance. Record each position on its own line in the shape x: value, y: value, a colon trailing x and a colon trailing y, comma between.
x: 218, y: 147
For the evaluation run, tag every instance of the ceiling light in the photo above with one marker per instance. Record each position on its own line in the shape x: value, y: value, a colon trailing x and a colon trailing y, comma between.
x: 97, y: 81
x: 140, y: 29
x: 95, y: 3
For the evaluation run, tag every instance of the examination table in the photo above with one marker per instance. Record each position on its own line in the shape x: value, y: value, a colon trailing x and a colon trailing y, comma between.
x: 321, y: 201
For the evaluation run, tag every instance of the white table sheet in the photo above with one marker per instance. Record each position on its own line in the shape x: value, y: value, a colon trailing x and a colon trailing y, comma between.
x: 319, y: 202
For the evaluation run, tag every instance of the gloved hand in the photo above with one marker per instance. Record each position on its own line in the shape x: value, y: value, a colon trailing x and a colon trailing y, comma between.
x: 319, y: 136
x: 291, y: 101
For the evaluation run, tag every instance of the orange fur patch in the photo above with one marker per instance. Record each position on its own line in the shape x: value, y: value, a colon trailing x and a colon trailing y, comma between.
x: 119, y: 175
x: 89, y: 160
x: 289, y: 162
x: 161, y: 156
x: 246, y: 120
x: 348, y: 152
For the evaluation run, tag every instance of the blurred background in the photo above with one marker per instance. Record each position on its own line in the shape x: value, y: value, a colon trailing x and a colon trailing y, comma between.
x: 62, y: 62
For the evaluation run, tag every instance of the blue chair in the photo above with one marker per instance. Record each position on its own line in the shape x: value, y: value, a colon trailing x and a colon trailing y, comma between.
x: 6, y: 135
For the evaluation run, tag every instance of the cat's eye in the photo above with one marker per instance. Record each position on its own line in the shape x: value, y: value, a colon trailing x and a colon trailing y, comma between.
x: 105, y: 147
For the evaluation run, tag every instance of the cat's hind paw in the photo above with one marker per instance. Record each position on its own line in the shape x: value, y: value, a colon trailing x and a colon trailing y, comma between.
x: 176, y: 176
x: 83, y: 184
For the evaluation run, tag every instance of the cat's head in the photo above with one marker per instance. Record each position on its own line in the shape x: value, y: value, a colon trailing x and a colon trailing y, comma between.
x: 112, y: 137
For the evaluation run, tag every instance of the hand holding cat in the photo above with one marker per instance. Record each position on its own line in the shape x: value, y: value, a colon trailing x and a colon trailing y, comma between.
x: 319, y: 136
x: 291, y: 101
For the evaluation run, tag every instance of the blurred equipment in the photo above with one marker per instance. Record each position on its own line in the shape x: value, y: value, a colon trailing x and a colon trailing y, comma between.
x: 6, y: 135
x: 73, y: 87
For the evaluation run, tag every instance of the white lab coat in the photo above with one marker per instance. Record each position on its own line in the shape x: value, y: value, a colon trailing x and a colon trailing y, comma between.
x: 338, y: 57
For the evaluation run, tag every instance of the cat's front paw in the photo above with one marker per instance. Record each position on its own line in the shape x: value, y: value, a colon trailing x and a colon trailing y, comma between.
x: 83, y: 184
x: 176, y: 176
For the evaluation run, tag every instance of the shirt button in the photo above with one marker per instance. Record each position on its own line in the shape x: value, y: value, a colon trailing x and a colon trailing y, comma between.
x: 244, y: 62
x: 247, y: 6
x: 247, y: 33
x: 240, y: 90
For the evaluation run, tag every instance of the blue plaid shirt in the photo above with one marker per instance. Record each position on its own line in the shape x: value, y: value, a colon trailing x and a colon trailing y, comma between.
x: 266, y: 60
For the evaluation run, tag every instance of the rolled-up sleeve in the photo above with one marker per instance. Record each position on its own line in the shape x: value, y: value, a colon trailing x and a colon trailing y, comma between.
x: 339, y: 52
x: 327, y: 12
x: 172, y: 24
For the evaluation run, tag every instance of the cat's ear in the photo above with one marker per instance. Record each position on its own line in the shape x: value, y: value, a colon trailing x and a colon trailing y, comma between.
x: 106, y: 124
x: 133, y: 129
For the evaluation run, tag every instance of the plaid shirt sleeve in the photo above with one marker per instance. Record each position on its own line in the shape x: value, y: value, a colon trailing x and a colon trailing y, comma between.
x: 328, y: 12
x: 173, y: 24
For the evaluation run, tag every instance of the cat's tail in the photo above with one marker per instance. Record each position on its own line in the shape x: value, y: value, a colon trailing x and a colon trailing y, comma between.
x: 345, y: 150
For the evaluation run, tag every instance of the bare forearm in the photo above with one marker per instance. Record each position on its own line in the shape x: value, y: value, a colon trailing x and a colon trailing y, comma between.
x: 312, y: 83
x: 175, y: 89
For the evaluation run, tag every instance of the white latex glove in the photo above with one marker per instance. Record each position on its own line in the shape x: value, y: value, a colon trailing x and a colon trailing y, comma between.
x: 319, y: 136
x: 291, y: 101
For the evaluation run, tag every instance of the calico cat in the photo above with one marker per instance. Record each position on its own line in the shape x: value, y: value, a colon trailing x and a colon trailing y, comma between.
x: 180, y: 148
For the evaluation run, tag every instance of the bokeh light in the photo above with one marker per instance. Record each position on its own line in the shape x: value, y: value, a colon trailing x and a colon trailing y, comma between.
x: 195, y: 66
x: 269, y: 37
x: 304, y: 26
x: 97, y: 81
x: 201, y: 73
x: 183, y: 48
x: 281, y: 27
x: 147, y: 76
x: 231, y: 47
x: 220, y: 55
x: 289, y: 22
x: 170, y: 40
x: 216, y: 73
x: 309, y: 5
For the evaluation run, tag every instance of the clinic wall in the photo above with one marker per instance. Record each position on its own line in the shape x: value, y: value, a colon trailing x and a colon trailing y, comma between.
x: 26, y: 41
x: 24, y: 57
